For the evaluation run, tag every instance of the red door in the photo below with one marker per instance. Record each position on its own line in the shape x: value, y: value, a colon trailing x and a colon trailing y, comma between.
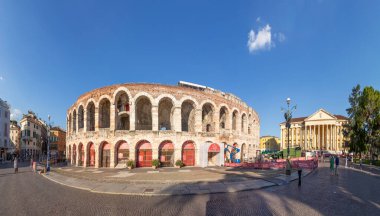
x: 91, y: 155
x: 188, y: 154
x: 144, y: 158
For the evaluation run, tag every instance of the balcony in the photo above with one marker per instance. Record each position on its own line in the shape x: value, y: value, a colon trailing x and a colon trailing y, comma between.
x: 123, y: 110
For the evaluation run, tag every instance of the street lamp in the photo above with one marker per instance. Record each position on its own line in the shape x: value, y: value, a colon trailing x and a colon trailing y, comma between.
x: 288, y: 117
x: 48, y: 146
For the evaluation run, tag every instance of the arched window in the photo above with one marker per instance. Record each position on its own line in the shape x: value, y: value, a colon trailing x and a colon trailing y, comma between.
x: 91, y: 117
x: 122, y: 111
x: 80, y: 117
x: 104, y: 113
x: 74, y: 121
x: 223, y: 114
x: 165, y: 114
x: 188, y: 116
x: 234, y: 120
x: 207, y: 118
x: 143, y: 114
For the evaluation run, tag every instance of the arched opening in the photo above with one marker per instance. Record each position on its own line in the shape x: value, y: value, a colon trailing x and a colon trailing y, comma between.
x: 69, y: 124
x: 104, y: 113
x: 243, y: 153
x: 90, y: 117
x: 80, y: 117
x: 122, y: 153
x: 143, y: 114
x: 105, y: 155
x: 188, y: 153
x: 166, y: 154
x: 243, y: 123
x: 165, y: 114
x: 69, y: 154
x: 74, y: 121
x: 144, y: 154
x: 223, y: 116
x: 122, y: 111
x: 234, y: 120
x: 207, y: 118
x: 74, y: 154
x: 80, y: 155
x: 188, y: 116
x: 90, y: 154
x: 213, y: 152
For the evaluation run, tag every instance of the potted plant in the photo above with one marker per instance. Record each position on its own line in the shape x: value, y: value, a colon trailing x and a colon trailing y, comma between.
x: 178, y: 164
x: 130, y: 164
x: 155, y: 163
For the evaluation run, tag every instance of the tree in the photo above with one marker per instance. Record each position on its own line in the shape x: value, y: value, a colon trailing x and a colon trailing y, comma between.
x: 364, y: 126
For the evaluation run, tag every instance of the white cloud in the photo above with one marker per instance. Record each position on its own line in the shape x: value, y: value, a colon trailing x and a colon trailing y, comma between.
x: 262, y: 40
x: 258, y: 19
x: 1, y: 78
x: 15, y: 114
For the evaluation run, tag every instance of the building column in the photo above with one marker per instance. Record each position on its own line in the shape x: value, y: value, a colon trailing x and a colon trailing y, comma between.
x: 323, y: 136
x: 84, y: 120
x: 96, y: 118
x: 217, y: 122
x: 132, y: 117
x: 198, y: 120
x: 177, y: 119
x: 112, y: 117
x: 155, y: 118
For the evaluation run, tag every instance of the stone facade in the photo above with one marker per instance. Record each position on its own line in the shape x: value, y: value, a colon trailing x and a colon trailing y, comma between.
x: 319, y: 131
x: 130, y: 115
x: 271, y: 143
x: 4, y: 129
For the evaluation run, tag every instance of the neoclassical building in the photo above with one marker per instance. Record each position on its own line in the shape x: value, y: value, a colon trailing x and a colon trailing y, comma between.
x: 319, y: 131
x: 141, y: 122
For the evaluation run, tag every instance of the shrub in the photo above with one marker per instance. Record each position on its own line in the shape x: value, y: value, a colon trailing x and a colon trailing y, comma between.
x: 179, y: 163
x: 155, y: 163
x: 130, y: 163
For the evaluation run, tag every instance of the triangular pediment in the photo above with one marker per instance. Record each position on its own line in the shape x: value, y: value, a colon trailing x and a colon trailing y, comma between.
x: 321, y: 114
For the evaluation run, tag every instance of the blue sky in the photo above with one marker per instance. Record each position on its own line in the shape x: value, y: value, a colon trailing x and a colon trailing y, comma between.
x: 262, y: 51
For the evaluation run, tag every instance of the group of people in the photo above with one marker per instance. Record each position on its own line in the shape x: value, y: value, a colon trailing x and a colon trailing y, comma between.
x: 334, y: 163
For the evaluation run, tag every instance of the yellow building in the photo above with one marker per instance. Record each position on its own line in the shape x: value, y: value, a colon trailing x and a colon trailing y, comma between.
x: 319, y: 131
x: 269, y: 143
x: 58, y: 142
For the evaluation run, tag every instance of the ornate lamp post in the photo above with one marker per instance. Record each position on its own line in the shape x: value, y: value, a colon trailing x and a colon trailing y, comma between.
x: 288, y: 117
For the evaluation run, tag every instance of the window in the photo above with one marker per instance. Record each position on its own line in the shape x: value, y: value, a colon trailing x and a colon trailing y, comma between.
x: 28, y: 123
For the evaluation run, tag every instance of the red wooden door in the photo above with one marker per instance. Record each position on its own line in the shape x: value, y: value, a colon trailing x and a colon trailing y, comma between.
x: 144, y: 158
x: 188, y: 157
x: 91, y: 156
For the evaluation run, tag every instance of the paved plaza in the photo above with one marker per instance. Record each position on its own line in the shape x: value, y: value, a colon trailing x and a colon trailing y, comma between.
x: 353, y: 192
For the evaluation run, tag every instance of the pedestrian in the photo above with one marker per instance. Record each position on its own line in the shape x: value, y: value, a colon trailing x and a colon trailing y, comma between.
x: 361, y: 163
x: 15, y: 164
x: 336, y: 164
x: 299, y: 175
x: 346, y: 161
x: 331, y: 165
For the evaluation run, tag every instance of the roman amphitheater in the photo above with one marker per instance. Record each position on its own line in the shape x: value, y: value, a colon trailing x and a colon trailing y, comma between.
x: 108, y: 126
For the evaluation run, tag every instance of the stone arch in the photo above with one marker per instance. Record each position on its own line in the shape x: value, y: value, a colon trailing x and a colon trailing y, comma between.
x: 74, y: 160
x: 80, y: 117
x: 143, y: 154
x: 123, y: 111
x: 223, y: 118
x: 169, y: 96
x: 235, y: 115
x: 188, y: 98
x: 188, y: 153
x: 166, y: 153
x: 119, y: 91
x: 90, y: 116
x: 243, y: 122
x: 80, y: 154
x: 122, y: 153
x: 104, y: 113
x: 188, y: 109
x: 165, y: 113
x: 74, y: 120
x: 208, y: 124
x: 143, y: 110
x: 90, y: 154
x: 104, y: 154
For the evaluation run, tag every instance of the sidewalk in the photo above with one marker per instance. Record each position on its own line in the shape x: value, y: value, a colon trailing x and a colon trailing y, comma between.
x: 169, y: 181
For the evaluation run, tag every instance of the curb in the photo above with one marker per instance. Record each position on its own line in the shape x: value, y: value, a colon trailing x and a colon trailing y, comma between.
x: 171, y: 194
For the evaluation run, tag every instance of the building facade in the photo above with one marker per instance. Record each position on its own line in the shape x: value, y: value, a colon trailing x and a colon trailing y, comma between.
x: 4, y: 129
x: 15, y: 136
x: 33, y: 136
x: 271, y: 143
x: 58, y: 142
x: 319, y: 131
x: 140, y: 122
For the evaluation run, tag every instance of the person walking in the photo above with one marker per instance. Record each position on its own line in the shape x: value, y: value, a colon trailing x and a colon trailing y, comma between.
x: 299, y: 175
x: 331, y: 165
x: 336, y: 164
x: 15, y: 164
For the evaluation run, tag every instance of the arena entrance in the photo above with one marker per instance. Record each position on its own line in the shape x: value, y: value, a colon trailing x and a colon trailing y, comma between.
x: 91, y: 155
x: 144, y: 154
x: 213, y: 153
x: 74, y: 154
x: 123, y: 153
x: 106, y: 155
x: 188, y: 154
x: 81, y: 155
x: 166, y: 154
